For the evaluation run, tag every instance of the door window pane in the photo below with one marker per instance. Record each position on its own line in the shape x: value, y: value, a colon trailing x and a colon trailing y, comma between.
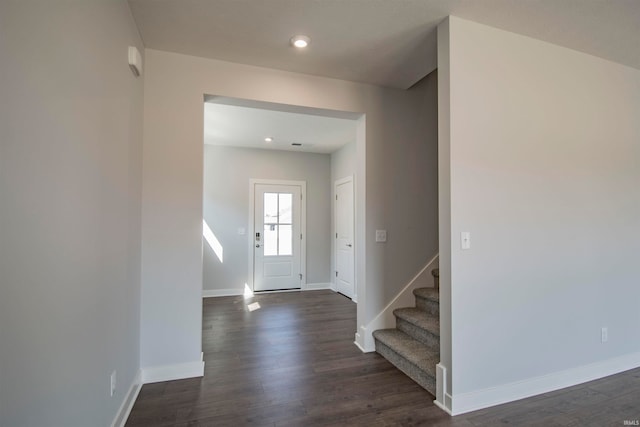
x: 270, y: 242
x: 285, y: 208
x: 278, y: 224
x: 270, y: 208
x: 285, y: 241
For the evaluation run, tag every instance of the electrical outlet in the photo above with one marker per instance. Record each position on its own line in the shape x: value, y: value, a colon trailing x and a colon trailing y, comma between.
x: 604, y: 335
x: 113, y: 383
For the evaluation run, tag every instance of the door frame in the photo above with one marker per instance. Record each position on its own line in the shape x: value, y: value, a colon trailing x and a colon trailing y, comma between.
x: 252, y: 233
x: 338, y: 182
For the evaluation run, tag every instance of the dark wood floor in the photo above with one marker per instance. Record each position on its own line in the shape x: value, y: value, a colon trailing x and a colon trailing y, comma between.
x: 292, y: 362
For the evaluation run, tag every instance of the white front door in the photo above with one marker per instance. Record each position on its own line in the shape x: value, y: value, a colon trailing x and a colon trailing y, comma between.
x: 344, y: 237
x: 277, y: 237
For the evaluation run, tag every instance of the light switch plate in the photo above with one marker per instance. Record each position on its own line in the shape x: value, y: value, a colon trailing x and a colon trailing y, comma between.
x: 381, y: 236
x: 465, y: 240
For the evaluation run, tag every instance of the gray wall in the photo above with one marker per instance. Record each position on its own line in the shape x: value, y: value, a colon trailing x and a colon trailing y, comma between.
x: 343, y: 162
x: 227, y: 172
x: 544, y: 149
x: 409, y: 186
x: 70, y: 200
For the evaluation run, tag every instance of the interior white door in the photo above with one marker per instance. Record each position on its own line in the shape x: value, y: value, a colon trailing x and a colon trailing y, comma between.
x: 344, y: 237
x: 277, y: 237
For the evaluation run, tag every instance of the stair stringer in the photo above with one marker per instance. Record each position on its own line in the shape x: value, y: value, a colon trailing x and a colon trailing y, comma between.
x: 405, y: 298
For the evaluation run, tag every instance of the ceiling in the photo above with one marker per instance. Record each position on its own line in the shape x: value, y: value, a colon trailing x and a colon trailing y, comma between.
x: 384, y: 42
x: 243, y: 126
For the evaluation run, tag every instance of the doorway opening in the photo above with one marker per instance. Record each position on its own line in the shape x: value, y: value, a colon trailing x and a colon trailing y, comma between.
x: 344, y: 237
x: 280, y: 235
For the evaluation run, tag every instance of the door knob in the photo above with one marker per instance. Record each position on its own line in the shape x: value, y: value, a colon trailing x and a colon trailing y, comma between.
x: 349, y: 244
x: 258, y: 245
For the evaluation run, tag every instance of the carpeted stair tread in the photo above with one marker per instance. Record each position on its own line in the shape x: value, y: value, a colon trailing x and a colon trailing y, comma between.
x: 419, y: 318
x: 412, y: 350
x: 427, y: 293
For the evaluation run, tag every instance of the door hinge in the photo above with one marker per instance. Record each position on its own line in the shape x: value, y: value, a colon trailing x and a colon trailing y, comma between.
x: 300, y: 276
x: 300, y: 196
x: 336, y: 197
x: 336, y: 235
x: 300, y: 236
x: 336, y: 274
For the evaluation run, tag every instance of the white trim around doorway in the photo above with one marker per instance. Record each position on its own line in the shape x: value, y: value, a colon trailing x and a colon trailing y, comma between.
x: 338, y: 182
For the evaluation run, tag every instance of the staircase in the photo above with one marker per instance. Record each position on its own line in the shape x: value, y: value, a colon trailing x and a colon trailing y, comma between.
x: 414, y: 345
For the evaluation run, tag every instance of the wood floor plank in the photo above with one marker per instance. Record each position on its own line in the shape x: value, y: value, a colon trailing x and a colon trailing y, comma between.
x: 292, y: 362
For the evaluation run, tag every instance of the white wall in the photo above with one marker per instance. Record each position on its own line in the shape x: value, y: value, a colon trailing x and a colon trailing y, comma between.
x: 227, y: 171
x: 443, y: 392
x: 172, y: 197
x: 70, y: 201
x: 544, y: 150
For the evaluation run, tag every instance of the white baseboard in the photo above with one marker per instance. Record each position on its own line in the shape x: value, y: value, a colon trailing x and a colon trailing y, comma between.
x: 358, y: 342
x: 385, y: 319
x: 369, y: 344
x: 316, y: 286
x: 365, y: 345
x: 441, y: 389
x: 178, y: 371
x: 447, y: 404
x: 210, y: 293
x: 129, y: 400
x: 479, y: 399
x: 443, y: 407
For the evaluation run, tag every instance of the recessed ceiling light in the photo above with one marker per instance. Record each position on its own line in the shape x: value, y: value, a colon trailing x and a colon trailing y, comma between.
x: 300, y: 41
x: 268, y: 139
